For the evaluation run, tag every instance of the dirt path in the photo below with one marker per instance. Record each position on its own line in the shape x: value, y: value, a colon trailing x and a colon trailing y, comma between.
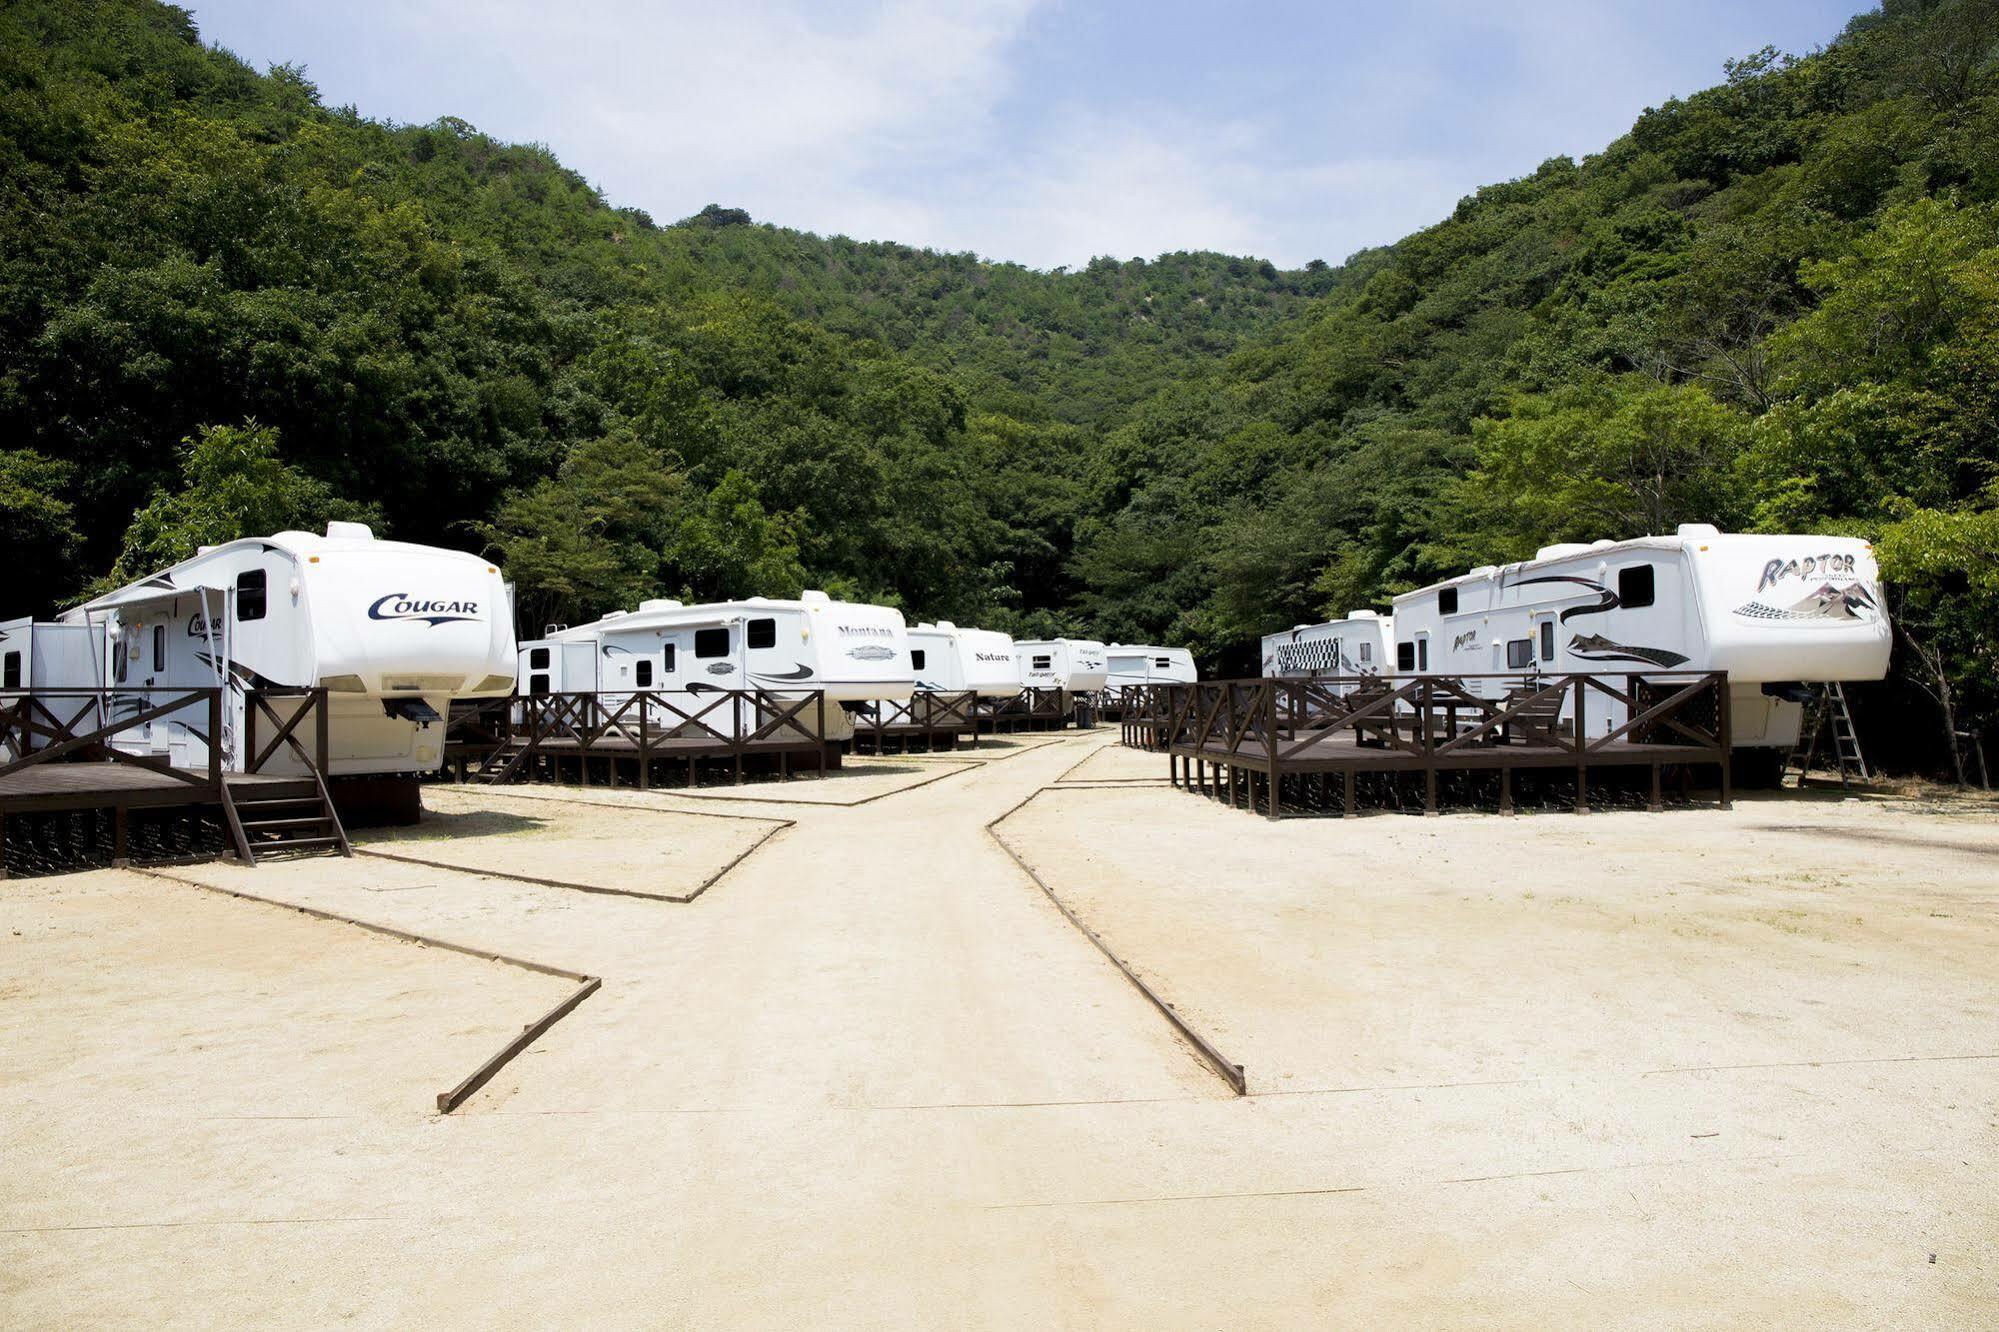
x: 872, y: 1077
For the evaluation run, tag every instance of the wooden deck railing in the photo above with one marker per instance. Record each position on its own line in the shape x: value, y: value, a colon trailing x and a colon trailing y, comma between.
x: 644, y: 725
x: 1276, y: 728
x: 59, y: 725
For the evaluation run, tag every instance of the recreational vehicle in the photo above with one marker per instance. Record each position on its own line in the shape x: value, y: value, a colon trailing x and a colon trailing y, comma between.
x: 947, y: 659
x: 1073, y: 665
x: 1136, y: 664
x: 853, y: 652
x: 1778, y: 613
x: 1360, y: 644
x: 394, y: 632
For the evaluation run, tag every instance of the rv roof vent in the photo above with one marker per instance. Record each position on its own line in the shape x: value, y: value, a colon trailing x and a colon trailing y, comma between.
x: 614, y: 615
x: 1601, y: 543
x: 923, y: 624
x: 203, y: 550
x: 659, y: 604
x: 1697, y: 530
x: 551, y: 630
x: 1483, y: 571
x: 814, y: 597
x: 1362, y: 615
x: 348, y: 532
x: 1556, y: 552
x: 946, y: 624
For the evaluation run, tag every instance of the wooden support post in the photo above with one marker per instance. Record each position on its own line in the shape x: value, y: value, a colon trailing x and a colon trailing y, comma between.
x: 3, y: 846
x: 1657, y: 803
x: 1430, y: 792
x: 1727, y: 739
x: 1506, y: 792
x: 1349, y: 796
x: 1275, y: 780
x: 1582, y: 747
x: 120, y: 857
x: 645, y: 745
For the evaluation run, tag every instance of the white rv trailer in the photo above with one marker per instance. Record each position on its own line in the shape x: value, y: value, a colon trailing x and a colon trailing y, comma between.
x: 394, y: 632
x: 1776, y: 612
x: 948, y: 659
x: 1362, y: 643
x: 1073, y: 665
x: 1139, y: 664
x: 856, y: 653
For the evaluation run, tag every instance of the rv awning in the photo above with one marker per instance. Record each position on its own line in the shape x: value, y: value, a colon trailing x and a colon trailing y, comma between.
x: 141, y: 594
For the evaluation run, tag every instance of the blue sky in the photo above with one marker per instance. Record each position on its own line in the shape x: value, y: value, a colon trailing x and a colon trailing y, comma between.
x: 1040, y: 131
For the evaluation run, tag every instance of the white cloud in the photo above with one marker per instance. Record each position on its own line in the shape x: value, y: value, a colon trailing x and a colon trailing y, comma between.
x: 1017, y: 128
x: 781, y: 108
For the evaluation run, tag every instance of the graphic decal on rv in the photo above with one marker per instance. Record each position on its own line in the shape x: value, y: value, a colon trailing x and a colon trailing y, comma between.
x: 401, y: 606
x: 1320, y: 654
x: 1469, y: 638
x: 1595, y: 647
x: 1834, y: 604
x: 800, y: 673
x: 721, y: 668
x: 1606, y: 599
x: 870, y: 652
x: 1825, y: 566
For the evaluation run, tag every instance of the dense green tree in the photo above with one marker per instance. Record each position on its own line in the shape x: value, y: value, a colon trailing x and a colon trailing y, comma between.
x: 233, y: 484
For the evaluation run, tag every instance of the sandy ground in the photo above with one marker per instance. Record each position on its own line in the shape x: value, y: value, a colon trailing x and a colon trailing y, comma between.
x: 580, y: 841
x: 1688, y: 1069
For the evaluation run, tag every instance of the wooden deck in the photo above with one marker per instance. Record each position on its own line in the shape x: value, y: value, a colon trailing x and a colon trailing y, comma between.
x: 60, y: 757
x: 930, y: 719
x: 58, y: 786
x: 641, y: 738
x: 1261, y: 744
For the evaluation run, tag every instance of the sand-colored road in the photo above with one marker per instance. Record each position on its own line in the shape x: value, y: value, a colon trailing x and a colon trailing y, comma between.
x: 871, y: 1077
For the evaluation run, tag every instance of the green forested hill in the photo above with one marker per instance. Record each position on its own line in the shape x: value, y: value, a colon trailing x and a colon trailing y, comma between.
x: 461, y: 338
x: 225, y: 306
x: 1773, y: 305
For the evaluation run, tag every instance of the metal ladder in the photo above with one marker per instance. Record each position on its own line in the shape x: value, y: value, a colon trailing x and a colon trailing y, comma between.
x: 1829, y: 710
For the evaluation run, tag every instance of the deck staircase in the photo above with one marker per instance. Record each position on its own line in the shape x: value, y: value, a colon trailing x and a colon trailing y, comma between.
x: 1828, y: 726
x: 271, y: 817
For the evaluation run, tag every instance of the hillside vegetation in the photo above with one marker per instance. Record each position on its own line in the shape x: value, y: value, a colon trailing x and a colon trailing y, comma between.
x: 226, y: 307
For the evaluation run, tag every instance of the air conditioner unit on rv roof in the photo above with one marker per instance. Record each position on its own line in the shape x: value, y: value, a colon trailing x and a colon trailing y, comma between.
x: 349, y: 532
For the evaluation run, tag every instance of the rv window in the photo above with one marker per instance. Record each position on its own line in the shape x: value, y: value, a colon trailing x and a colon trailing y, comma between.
x: 916, y: 658
x: 1422, y: 654
x: 645, y: 675
x: 10, y: 674
x: 1162, y: 662
x: 1547, y: 640
x: 1447, y: 601
x: 1405, y: 656
x: 121, y: 658
x: 159, y: 647
x: 669, y: 659
x: 711, y: 642
x: 537, y: 685
x: 1043, y: 663
x: 1367, y: 652
x: 1519, y: 654
x: 538, y: 659
x: 762, y: 634
x: 1634, y: 586
x: 250, y: 595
